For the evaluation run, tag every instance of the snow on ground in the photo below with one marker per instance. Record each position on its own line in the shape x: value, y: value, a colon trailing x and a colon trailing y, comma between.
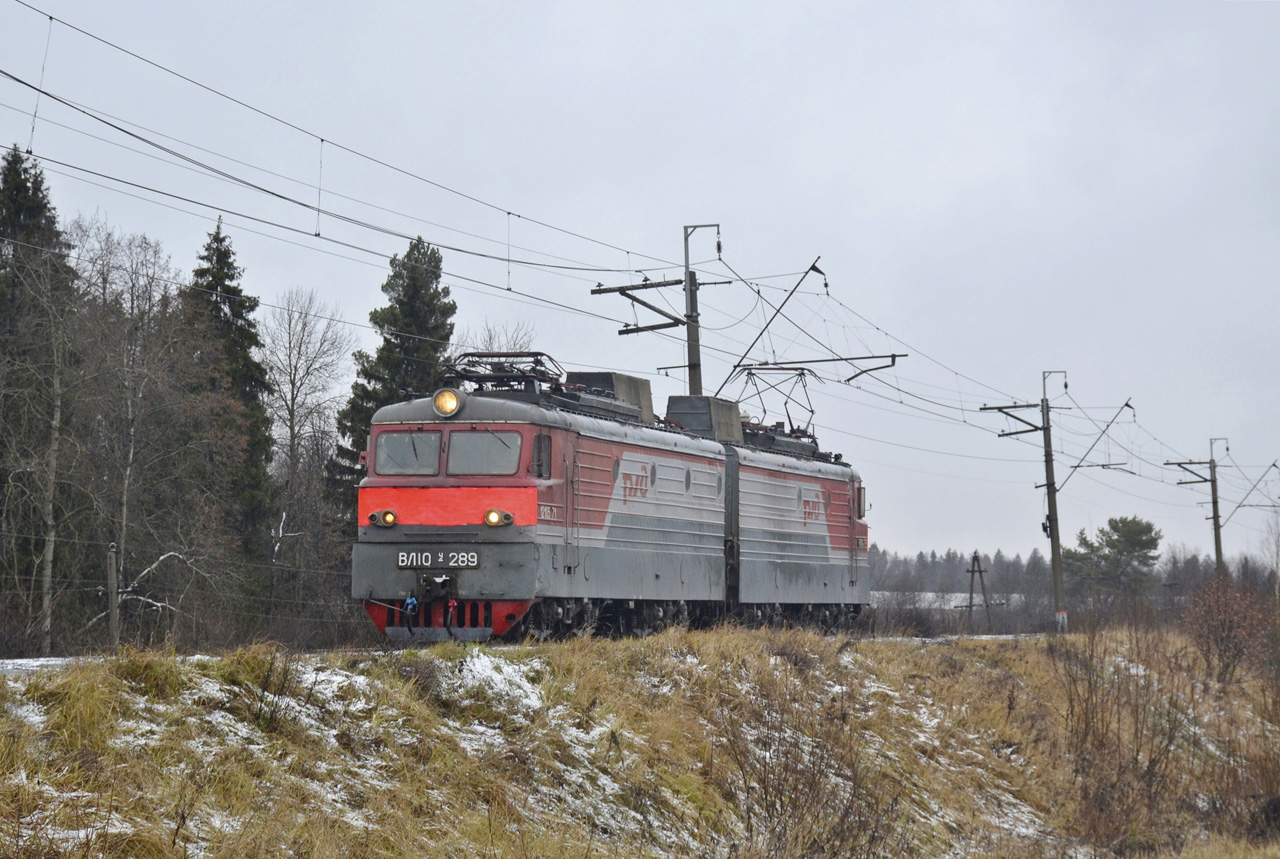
x: 953, y: 757
x: 29, y: 712
x: 499, y: 680
x: 27, y: 667
x: 492, y: 700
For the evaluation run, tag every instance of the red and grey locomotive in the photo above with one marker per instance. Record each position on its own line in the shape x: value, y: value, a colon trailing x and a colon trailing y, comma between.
x: 517, y: 500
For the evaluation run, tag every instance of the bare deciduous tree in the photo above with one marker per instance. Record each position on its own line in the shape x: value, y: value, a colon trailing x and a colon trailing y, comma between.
x: 509, y: 337
x: 140, y: 435
x: 306, y: 348
x: 39, y: 368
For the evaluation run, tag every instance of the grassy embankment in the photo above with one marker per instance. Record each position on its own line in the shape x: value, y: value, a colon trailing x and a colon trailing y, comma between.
x: 723, y: 743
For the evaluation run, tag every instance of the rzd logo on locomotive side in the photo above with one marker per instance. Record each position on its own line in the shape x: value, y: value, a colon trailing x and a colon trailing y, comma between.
x: 811, y: 510
x: 635, y: 485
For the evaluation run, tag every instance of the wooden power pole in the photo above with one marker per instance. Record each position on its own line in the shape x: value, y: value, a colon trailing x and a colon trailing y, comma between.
x: 1051, y: 528
x: 1212, y: 480
x: 113, y: 594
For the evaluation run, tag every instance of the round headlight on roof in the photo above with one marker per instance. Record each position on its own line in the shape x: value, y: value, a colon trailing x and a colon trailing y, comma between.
x: 446, y: 402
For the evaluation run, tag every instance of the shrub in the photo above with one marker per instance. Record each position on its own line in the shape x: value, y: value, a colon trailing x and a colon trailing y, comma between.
x: 84, y: 705
x: 1125, y: 723
x: 1229, y: 627
x: 154, y: 673
x: 266, y: 675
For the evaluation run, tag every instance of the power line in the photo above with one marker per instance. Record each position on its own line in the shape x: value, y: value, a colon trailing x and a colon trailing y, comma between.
x: 72, y: 256
x: 871, y: 374
x: 382, y: 256
x: 584, y: 266
x: 340, y: 243
x: 917, y: 351
x: 852, y: 434
x: 278, y: 195
x: 98, y: 114
x: 351, y: 151
x: 230, y: 177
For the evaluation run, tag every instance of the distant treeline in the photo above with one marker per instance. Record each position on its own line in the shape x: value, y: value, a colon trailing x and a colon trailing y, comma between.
x: 1121, y: 573
x: 1177, y: 572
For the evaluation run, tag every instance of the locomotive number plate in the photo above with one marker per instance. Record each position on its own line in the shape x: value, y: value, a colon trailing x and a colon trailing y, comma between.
x: 438, y: 559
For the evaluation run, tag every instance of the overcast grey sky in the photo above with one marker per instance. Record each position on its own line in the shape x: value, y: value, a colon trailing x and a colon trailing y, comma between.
x: 994, y: 189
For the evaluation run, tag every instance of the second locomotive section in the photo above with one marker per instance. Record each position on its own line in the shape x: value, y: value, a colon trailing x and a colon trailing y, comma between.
x: 517, y: 509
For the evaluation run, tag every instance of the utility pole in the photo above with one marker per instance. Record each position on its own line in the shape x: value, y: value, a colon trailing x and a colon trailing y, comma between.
x: 975, y: 568
x: 691, y: 311
x: 1212, y: 480
x: 113, y: 594
x: 1051, y: 528
x: 1217, y: 519
x: 690, y: 318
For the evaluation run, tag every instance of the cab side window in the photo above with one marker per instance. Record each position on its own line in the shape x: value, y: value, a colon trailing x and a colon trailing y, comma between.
x: 540, y: 464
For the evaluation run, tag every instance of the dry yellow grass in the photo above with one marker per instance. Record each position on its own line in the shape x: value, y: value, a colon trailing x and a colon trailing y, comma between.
x: 749, y: 743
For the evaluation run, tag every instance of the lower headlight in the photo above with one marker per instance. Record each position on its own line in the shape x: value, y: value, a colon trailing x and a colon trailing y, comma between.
x: 383, y: 518
x: 495, y: 518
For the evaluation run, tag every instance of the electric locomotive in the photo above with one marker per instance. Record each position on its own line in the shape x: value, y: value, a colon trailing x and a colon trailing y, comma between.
x: 521, y: 500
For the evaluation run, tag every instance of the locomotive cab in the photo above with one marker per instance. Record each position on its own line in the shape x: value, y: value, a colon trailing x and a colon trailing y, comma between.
x: 447, y: 515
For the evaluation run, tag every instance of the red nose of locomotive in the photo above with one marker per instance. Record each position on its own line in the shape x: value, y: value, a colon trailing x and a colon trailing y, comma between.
x: 447, y: 517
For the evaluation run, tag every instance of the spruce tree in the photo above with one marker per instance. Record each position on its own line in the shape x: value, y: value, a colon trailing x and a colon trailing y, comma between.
x: 218, y: 307
x: 38, y: 357
x: 25, y: 211
x: 416, y: 326
x: 29, y: 234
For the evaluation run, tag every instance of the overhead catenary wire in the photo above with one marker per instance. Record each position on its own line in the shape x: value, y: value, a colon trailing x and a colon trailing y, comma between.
x: 329, y: 239
x: 283, y: 197
x: 412, y: 336
x: 268, y: 115
x: 382, y: 257
x: 277, y: 175
x: 803, y: 330
x: 408, y: 335
x: 899, y: 389
x: 826, y: 346
x: 35, y: 112
x: 1250, y: 492
x: 565, y: 270
x: 1102, y: 434
x: 920, y: 352
x: 350, y: 150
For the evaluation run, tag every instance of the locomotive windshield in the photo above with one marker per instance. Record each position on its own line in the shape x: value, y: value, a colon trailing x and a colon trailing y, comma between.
x: 408, y: 453
x: 483, y: 452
